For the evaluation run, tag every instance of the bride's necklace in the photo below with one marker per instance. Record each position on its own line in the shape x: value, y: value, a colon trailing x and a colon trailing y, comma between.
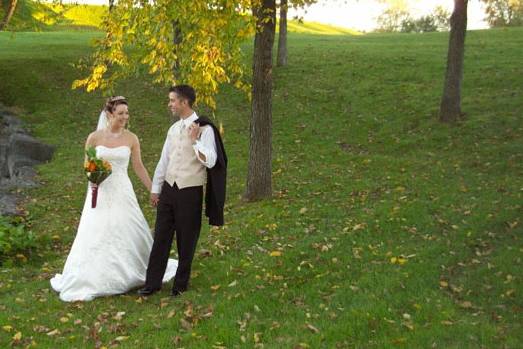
x: 113, y: 134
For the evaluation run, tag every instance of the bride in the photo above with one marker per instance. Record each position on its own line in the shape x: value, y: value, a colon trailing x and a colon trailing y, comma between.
x: 111, y: 250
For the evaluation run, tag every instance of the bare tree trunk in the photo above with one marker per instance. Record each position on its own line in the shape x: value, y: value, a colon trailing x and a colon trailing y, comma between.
x: 450, y: 108
x: 259, y: 176
x: 8, y: 14
x: 282, y: 35
x: 177, y: 39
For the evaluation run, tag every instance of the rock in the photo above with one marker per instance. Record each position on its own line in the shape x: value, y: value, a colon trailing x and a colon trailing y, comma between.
x: 19, y: 153
x: 8, y: 204
x: 23, y: 145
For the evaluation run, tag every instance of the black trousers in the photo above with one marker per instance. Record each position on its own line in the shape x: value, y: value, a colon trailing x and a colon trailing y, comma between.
x: 179, y: 213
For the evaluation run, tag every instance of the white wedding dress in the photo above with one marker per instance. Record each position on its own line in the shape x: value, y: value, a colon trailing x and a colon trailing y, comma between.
x: 111, y: 250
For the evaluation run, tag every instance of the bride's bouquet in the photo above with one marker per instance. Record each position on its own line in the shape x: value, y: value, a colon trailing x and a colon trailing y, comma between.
x: 97, y: 170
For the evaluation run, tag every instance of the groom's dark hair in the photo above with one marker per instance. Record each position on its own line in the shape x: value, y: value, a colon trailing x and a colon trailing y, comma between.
x: 186, y: 92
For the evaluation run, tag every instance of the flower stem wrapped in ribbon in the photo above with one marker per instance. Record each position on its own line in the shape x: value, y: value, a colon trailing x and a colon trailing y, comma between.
x: 97, y: 170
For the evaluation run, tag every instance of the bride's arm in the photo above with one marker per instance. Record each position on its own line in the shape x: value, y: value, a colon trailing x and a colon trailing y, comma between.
x: 138, y: 167
x: 90, y: 142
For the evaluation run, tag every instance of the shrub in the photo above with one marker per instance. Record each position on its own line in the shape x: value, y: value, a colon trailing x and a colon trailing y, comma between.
x: 15, y: 238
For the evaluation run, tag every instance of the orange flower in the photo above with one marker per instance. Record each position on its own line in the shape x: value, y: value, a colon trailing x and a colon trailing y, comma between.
x: 92, y: 166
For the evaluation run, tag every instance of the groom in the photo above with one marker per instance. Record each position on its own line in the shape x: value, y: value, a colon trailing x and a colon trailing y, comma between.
x: 193, y: 154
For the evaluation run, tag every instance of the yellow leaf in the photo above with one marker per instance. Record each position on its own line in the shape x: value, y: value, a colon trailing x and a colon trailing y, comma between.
x: 358, y: 226
x: 312, y: 328
x: 53, y: 332
x: 17, y: 336
x: 409, y: 326
x: 7, y: 328
x: 466, y: 304
x: 276, y: 254
x: 119, y: 315
x: 443, y: 283
x: 64, y: 319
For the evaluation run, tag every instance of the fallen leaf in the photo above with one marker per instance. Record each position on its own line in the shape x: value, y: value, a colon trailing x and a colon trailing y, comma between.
x: 53, y: 333
x: 312, y: 328
x: 119, y: 315
x: 466, y: 304
x: 186, y: 325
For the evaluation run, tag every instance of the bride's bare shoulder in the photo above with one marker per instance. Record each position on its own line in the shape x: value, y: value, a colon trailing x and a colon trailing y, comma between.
x: 131, y: 136
x: 94, y: 136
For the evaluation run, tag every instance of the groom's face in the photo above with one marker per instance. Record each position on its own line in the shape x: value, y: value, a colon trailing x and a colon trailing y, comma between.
x: 177, y: 105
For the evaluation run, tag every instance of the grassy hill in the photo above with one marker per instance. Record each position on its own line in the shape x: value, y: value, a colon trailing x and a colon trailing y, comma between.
x: 34, y: 16
x: 392, y: 230
x: 41, y: 16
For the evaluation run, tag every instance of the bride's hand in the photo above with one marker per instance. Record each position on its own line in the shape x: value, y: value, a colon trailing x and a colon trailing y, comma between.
x: 155, y: 198
x: 194, y: 132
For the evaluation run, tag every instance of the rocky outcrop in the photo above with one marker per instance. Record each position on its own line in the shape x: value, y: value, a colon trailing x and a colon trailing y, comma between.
x: 19, y: 153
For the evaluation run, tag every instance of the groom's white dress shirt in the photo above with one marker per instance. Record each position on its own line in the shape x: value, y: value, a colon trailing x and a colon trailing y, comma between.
x: 180, y: 161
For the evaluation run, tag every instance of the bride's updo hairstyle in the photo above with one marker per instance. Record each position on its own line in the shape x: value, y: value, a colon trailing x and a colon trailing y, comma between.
x: 113, y: 102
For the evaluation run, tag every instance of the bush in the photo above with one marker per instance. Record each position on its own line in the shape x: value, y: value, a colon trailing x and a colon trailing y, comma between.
x: 400, y: 20
x: 15, y: 238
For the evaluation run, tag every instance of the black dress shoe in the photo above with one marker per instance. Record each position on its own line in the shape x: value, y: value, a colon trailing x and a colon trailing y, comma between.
x: 147, y: 291
x: 176, y: 293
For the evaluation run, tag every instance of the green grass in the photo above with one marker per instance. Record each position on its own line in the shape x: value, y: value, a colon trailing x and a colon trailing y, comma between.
x: 364, y: 177
x: 300, y: 27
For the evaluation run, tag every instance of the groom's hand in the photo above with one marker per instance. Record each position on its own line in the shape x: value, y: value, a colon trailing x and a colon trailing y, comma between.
x: 194, y: 132
x: 155, y: 198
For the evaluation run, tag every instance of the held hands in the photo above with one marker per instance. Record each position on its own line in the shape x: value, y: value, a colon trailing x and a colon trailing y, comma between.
x: 155, y: 198
x: 194, y: 132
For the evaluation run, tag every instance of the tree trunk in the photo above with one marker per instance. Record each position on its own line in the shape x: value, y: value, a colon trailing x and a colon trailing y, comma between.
x: 259, y: 182
x: 8, y: 14
x: 450, y: 108
x: 282, y: 35
x: 177, y: 39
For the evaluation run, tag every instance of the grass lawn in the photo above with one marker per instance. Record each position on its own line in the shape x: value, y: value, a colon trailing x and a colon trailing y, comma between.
x: 386, y: 229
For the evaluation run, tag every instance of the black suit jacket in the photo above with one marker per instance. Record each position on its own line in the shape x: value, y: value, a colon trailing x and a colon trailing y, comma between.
x: 216, y: 178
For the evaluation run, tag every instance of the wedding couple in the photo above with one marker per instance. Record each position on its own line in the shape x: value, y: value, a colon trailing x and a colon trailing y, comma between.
x: 113, y: 251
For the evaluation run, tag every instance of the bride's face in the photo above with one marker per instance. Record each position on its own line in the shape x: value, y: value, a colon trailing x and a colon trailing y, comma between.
x: 120, y: 116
